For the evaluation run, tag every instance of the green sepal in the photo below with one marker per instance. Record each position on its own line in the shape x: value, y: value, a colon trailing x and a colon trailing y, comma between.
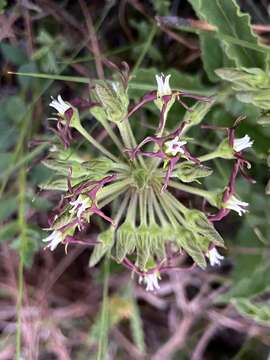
x: 187, y: 240
x: 188, y: 172
x: 106, y: 239
x: 125, y: 241
x: 113, y: 100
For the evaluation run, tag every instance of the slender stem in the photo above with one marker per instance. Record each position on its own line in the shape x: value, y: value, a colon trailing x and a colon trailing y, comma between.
x: 104, y: 321
x: 210, y: 156
x: 121, y: 209
x: 101, y: 148
x: 23, y: 239
x: 171, y: 203
x: 159, y: 212
x: 112, y: 188
x: 200, y: 192
x: 168, y: 210
x: 145, y: 49
x: 177, y: 204
x: 131, y: 213
x: 112, y: 135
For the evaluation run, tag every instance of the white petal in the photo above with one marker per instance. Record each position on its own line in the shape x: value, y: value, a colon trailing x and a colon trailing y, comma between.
x: 59, y: 105
x: 242, y: 143
x: 163, y: 85
x: 214, y: 257
x: 54, y: 239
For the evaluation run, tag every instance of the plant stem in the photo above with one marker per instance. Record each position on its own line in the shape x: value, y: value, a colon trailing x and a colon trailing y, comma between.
x: 101, y: 148
x: 200, y: 192
x: 104, y: 321
x: 145, y: 49
x: 210, y: 156
x: 112, y: 135
x: 23, y: 239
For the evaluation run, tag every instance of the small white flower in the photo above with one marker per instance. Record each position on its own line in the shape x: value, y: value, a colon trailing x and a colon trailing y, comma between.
x: 151, y: 281
x: 174, y: 146
x: 242, y: 143
x: 59, y: 105
x: 54, y: 239
x: 163, y: 85
x: 80, y: 205
x: 214, y: 257
x: 237, y: 205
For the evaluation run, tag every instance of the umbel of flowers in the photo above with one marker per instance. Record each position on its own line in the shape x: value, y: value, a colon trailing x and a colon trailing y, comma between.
x: 149, y: 228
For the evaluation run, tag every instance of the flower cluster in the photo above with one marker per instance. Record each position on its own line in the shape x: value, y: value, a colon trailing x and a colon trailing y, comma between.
x: 150, y: 227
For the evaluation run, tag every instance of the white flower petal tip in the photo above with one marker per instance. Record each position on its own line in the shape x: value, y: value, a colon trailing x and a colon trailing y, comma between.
x: 242, y: 143
x: 151, y: 281
x: 163, y: 85
x: 173, y: 147
x: 79, y: 205
x: 59, y: 105
x: 237, y: 205
x: 54, y: 239
x: 214, y: 257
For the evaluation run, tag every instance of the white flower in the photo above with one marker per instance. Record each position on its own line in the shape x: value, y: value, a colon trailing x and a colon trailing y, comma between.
x: 151, y: 281
x: 242, y: 143
x: 163, y: 85
x: 60, y: 105
x: 174, y: 146
x: 214, y: 257
x: 237, y: 205
x: 54, y: 239
x: 80, y: 205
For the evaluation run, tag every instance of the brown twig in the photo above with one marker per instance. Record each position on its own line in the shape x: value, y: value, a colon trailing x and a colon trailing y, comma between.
x: 93, y: 39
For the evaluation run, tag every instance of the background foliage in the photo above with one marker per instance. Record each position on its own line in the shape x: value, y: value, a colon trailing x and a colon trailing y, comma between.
x: 54, y: 306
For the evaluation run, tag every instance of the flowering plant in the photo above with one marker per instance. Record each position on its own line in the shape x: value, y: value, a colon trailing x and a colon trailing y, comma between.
x: 150, y: 227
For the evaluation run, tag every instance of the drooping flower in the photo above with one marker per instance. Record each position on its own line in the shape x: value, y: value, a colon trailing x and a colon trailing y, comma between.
x: 173, y: 147
x: 54, y: 239
x: 151, y: 281
x: 237, y: 205
x: 214, y: 257
x: 242, y: 143
x: 79, y: 205
x: 60, y: 105
x: 163, y: 85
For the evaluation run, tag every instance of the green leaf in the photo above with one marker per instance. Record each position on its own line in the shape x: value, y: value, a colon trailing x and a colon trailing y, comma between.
x: 212, y: 60
x: 256, y: 312
x: 257, y: 283
x: 231, y: 23
x: 13, y: 53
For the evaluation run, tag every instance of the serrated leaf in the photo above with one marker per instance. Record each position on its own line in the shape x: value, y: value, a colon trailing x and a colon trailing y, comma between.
x: 230, y: 22
x: 257, y: 283
x: 256, y: 312
x: 212, y: 60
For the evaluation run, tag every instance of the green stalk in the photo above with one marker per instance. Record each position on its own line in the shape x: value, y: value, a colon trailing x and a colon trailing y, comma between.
x: 158, y: 211
x: 92, y: 141
x: 113, y: 188
x: 168, y: 210
x: 210, y: 156
x: 104, y: 322
x: 200, y: 192
x: 23, y: 240
x: 112, y: 135
x: 145, y: 49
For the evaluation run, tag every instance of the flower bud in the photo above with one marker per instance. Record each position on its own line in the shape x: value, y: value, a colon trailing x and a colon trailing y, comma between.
x: 113, y: 100
x: 189, y: 172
